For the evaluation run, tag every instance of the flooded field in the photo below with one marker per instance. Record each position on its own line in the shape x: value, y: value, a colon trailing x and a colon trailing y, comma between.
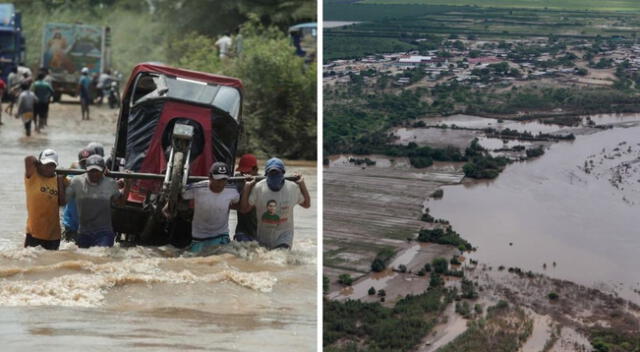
x: 570, y: 214
x: 238, y: 298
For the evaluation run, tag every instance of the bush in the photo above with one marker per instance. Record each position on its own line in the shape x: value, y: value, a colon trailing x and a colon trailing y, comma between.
x: 382, y: 293
x: 377, y: 265
x: 440, y: 265
x: 381, y: 259
x: 435, y: 281
x: 402, y: 268
x: 441, y: 236
x: 278, y: 87
x: 553, y: 296
x: 345, y: 279
x: 372, y: 291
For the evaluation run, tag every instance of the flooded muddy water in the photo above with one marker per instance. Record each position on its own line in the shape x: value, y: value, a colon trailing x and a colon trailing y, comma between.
x: 575, y: 210
x: 236, y: 298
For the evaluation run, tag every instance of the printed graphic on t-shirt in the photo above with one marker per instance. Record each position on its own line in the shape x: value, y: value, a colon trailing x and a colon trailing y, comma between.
x: 271, y: 215
x: 50, y: 191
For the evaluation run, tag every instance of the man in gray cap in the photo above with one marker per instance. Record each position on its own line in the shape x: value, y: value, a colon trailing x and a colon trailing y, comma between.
x: 212, y: 201
x: 45, y: 194
x: 274, y: 199
x: 93, y: 193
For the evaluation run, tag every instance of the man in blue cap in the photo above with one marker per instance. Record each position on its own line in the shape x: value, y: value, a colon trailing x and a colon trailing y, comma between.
x: 274, y: 199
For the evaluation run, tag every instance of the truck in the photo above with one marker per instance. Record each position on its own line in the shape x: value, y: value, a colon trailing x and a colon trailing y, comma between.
x: 12, y: 41
x: 67, y: 48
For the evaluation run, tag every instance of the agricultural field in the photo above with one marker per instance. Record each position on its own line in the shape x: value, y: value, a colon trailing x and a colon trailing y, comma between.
x: 581, y: 5
x: 388, y: 28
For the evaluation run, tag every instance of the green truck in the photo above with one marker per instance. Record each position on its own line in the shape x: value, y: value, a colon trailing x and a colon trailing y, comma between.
x: 67, y: 48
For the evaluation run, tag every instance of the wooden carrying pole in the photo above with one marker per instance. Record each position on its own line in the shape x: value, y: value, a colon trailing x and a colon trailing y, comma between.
x: 146, y: 176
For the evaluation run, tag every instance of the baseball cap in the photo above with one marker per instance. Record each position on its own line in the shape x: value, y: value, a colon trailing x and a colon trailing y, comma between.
x: 83, y: 155
x: 274, y: 164
x: 95, y: 148
x: 48, y: 156
x: 95, y: 162
x: 85, y: 70
x: 247, y: 163
x: 219, y: 171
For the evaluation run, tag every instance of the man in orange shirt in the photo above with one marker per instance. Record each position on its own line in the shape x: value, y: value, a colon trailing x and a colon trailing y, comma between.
x: 45, y: 193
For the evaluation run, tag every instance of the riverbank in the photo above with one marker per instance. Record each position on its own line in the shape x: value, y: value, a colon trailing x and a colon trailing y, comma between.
x: 566, y: 315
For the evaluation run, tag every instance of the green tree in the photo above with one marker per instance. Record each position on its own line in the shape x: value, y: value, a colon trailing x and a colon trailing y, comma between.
x: 280, y: 90
x: 440, y: 265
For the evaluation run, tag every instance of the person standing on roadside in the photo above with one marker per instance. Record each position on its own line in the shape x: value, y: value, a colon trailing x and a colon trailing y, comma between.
x: 224, y: 44
x: 26, y: 103
x: 45, y: 194
x: 247, y: 225
x: 84, y: 92
x: 13, y: 85
x: 274, y: 199
x: 43, y: 92
x: 93, y: 193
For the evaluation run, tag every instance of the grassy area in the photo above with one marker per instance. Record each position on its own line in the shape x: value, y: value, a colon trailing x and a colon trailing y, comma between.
x: 395, y: 26
x: 358, y: 326
x: 581, y: 5
x: 504, y: 329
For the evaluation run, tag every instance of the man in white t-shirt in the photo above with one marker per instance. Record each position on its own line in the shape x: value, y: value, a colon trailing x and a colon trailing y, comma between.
x: 212, y: 201
x: 224, y: 44
x: 274, y: 199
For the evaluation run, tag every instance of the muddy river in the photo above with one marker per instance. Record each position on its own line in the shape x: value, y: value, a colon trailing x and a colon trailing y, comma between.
x: 571, y: 214
x: 240, y: 298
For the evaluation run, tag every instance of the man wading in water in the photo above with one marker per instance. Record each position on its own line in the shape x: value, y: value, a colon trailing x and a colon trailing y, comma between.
x: 274, y: 199
x: 45, y: 193
x: 212, y: 201
x: 93, y: 193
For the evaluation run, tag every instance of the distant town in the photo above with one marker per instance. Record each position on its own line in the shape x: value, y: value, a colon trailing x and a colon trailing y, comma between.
x: 480, y: 63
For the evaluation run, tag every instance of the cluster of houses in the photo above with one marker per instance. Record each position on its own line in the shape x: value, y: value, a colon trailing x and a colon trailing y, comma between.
x: 460, y: 66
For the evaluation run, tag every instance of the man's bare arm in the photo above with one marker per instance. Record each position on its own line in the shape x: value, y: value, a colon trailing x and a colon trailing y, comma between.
x: 30, y: 164
x: 306, y: 203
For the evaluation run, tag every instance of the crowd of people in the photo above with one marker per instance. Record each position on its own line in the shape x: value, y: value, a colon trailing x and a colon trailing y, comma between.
x: 31, y: 98
x: 264, y: 208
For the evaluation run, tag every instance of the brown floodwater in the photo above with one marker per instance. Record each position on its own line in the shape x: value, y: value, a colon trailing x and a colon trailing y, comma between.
x: 576, y: 206
x: 238, y: 298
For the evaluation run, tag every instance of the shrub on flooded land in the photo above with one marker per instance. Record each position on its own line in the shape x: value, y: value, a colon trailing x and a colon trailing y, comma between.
x: 440, y: 265
x: 485, y: 166
x: 535, y: 152
x: 441, y: 236
x: 435, y: 281
x: 345, y: 279
x: 468, y: 289
x: 382, y: 259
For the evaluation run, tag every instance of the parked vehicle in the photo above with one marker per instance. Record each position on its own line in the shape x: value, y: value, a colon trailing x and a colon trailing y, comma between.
x: 67, y: 48
x: 12, y: 41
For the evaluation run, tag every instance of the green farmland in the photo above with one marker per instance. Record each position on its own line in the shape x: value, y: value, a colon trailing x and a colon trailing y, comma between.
x: 573, y: 5
x: 393, y: 28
